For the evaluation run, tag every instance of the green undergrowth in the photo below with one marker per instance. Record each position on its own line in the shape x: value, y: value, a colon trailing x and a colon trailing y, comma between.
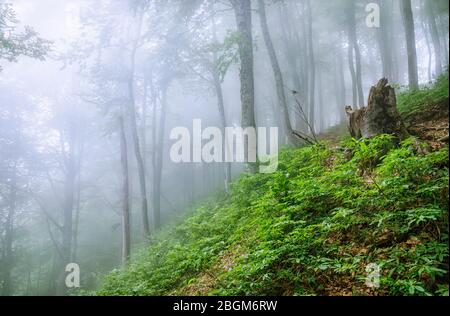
x: 410, y: 102
x: 316, y: 226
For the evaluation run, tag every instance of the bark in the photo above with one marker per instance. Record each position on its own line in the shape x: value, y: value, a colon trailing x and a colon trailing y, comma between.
x: 153, y: 97
x: 69, y: 199
x: 427, y: 42
x: 135, y: 135
x: 243, y: 15
x: 301, y: 48
x: 290, y: 50
x: 6, y: 269
x: 144, y: 122
x: 431, y: 19
x: 220, y: 101
x: 77, y: 203
x: 443, y: 34
x: 340, y: 85
x: 279, y: 81
x: 354, y: 56
x: 379, y: 117
x: 385, y: 40
x: 125, y: 194
x: 312, y: 71
x: 408, y: 24
x: 158, y: 165
x: 220, y: 104
x: 320, y: 92
x: 351, y: 65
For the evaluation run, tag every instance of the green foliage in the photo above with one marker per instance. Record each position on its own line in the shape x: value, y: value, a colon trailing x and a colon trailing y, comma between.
x: 368, y: 154
x: 227, y: 52
x: 311, y: 228
x: 412, y: 101
x: 14, y: 44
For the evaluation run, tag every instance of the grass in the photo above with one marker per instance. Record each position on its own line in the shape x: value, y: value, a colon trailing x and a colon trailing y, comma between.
x: 311, y: 228
x: 320, y: 225
x: 409, y: 102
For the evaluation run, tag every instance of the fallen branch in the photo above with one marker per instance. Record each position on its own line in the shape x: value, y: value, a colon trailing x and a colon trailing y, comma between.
x: 304, y: 138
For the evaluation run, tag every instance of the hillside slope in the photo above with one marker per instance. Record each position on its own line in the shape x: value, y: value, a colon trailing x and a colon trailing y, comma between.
x: 315, y: 226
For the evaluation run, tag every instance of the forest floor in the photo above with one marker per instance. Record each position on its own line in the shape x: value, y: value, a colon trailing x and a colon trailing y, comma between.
x: 342, y: 217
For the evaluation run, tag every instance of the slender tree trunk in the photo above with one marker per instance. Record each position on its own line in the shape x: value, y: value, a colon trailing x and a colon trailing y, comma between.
x: 384, y: 41
x: 135, y: 135
x: 296, y: 70
x: 322, y: 117
x: 219, y: 93
x: 221, y: 104
x: 153, y: 96
x: 279, y: 81
x: 351, y: 64
x: 312, y: 71
x: 299, y: 39
x: 77, y: 203
x: 304, y: 55
x: 340, y: 85
x: 69, y: 198
x: 125, y: 194
x: 427, y: 42
x: 443, y: 34
x: 359, y: 75
x: 158, y: 166
x: 243, y: 14
x: 289, y: 37
x: 434, y: 36
x: 8, y: 263
x: 355, y: 63
x: 408, y: 24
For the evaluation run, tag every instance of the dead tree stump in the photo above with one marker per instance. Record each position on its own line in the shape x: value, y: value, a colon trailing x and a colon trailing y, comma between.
x: 379, y: 117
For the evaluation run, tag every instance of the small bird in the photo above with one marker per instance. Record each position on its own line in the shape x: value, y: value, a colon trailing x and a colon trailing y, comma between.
x: 294, y: 92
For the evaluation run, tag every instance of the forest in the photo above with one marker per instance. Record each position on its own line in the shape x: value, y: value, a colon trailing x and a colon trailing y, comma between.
x: 224, y: 147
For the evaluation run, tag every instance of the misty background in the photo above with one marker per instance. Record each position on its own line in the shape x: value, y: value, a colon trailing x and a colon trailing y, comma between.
x: 84, y: 125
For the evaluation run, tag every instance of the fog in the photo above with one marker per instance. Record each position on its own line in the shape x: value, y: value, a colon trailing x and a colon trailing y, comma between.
x: 88, y: 101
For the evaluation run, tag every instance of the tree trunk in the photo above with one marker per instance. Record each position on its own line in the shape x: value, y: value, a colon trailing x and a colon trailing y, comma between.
x: 279, y: 81
x: 425, y: 28
x: 220, y: 101
x: 292, y: 47
x: 221, y: 105
x: 135, y: 135
x: 125, y: 194
x: 379, y: 117
x: 77, y: 203
x: 7, y: 288
x: 408, y: 24
x: 312, y: 72
x: 321, y: 106
x: 340, y: 87
x: 69, y: 198
x: 243, y: 14
x: 354, y: 60
x: 158, y: 165
x: 431, y: 19
x: 384, y: 40
x: 443, y: 34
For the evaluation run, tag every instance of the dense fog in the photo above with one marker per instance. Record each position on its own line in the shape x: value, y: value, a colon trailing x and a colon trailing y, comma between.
x: 90, y: 91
